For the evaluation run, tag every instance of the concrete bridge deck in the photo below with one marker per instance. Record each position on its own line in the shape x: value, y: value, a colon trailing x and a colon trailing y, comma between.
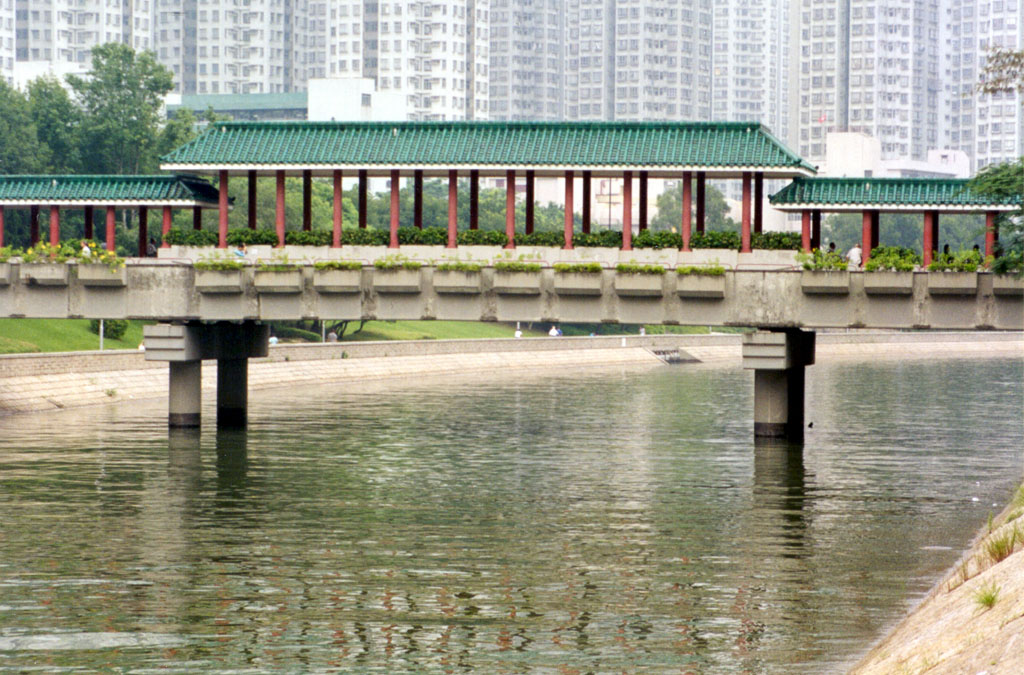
x: 174, y: 291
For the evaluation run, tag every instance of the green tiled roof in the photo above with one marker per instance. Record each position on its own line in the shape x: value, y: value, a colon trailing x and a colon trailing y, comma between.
x: 278, y: 101
x: 667, y: 145
x: 98, y: 189
x: 885, y: 192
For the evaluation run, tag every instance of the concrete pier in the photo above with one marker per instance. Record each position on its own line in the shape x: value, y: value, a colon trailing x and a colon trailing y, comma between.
x: 185, y: 394
x: 232, y: 392
x: 778, y: 359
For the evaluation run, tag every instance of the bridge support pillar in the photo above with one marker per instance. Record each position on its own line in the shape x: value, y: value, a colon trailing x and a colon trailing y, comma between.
x: 185, y: 346
x: 778, y: 359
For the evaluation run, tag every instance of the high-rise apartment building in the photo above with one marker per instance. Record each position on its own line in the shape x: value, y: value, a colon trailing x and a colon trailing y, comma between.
x: 229, y: 47
x: 7, y: 41
x: 435, y: 53
x: 987, y: 127
x: 528, y: 59
x: 64, y: 31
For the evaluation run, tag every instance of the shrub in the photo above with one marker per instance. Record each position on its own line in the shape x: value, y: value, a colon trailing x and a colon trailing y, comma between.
x: 578, y: 268
x: 776, y: 241
x: 987, y: 595
x: 219, y: 264
x: 961, y: 261
x: 338, y: 265
x: 633, y: 268
x: 396, y: 262
x: 429, y: 236
x: 701, y: 270
x: 112, y: 328
x: 458, y: 266
x: 541, y: 239
x: 243, y: 235
x: 1010, y: 262
x: 481, y: 238
x: 999, y: 547
x: 8, y: 252
x: 308, y: 238
x: 822, y: 260
x: 364, y: 237
x: 177, y: 236
x: 892, y: 258
x: 715, y: 239
x: 661, y: 239
x: 516, y: 266
x: 600, y: 239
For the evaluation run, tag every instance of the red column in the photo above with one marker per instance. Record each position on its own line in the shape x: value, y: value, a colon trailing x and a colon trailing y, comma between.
x: 453, y: 208
x: 586, y: 202
x: 701, y: 187
x: 990, y: 232
x: 805, y: 231
x: 222, y: 212
x: 510, y: 208
x: 816, y: 229
x: 745, y: 221
x: 33, y: 224
x: 1, y: 225
x: 363, y: 181
x: 87, y: 216
x: 394, y: 209
x: 643, y: 200
x: 569, y: 178
x: 307, y: 201
x: 54, y: 226
x: 529, y: 202
x: 252, y: 200
x: 417, y: 199
x: 111, y: 221
x: 474, y: 199
x: 627, y: 211
x: 865, y: 235
x: 687, y: 206
x: 197, y: 218
x: 168, y: 220
x: 279, y: 207
x: 927, y: 244
x: 758, y: 199
x: 338, y: 203
x: 143, y: 231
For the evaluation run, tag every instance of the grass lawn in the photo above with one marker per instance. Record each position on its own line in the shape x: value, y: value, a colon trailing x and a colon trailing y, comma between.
x: 433, y: 330
x: 60, y: 335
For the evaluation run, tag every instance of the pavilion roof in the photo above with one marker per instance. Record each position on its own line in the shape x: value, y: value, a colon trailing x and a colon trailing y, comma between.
x: 107, y: 190
x: 887, y: 194
x: 662, y: 148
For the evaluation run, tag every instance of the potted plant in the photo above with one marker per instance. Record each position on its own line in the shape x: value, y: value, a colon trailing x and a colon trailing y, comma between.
x: 578, y: 278
x: 825, y: 272
x: 395, y: 274
x: 1008, y: 274
x: 99, y: 267
x: 217, y: 274
x: 278, y: 275
x: 636, y: 280
x: 44, y: 265
x: 890, y: 271
x: 457, y: 277
x: 700, y: 281
x: 516, y: 277
x: 954, y: 273
x: 337, y: 276
x: 6, y: 266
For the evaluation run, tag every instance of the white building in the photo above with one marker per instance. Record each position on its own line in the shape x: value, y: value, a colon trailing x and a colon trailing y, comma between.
x: 986, y: 127
x: 855, y: 154
x: 7, y: 41
x: 354, y: 99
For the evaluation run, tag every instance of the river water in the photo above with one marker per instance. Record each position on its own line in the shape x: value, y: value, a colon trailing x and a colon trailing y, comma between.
x: 615, y: 520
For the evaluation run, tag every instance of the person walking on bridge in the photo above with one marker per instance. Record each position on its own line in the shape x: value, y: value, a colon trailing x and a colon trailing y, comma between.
x: 854, y: 256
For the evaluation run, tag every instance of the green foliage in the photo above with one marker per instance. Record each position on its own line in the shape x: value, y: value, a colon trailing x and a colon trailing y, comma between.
x: 657, y: 239
x: 822, y: 260
x: 188, y: 237
x: 538, y: 238
x: 364, y: 237
x: 278, y: 262
x: 20, y: 149
x: 218, y: 263
x: 715, y: 239
x: 481, y: 238
x: 308, y: 238
x: 712, y: 270
x: 112, y: 328
x: 428, y: 236
x: 1010, y: 262
x: 121, y: 97
x: 58, y: 123
x: 294, y: 333
x: 960, y: 261
x: 987, y: 595
x: 44, y: 253
x: 578, y: 268
x: 998, y: 547
x: 394, y: 262
x: 633, y: 268
x: 1006, y: 181
x: 516, y: 266
x: 776, y: 241
x: 8, y: 252
x: 892, y: 258
x: 459, y: 266
x: 243, y: 235
x: 670, y: 209
x: 338, y: 265
x: 598, y: 239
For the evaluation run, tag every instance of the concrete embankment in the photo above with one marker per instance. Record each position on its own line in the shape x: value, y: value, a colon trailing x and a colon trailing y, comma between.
x: 39, y: 382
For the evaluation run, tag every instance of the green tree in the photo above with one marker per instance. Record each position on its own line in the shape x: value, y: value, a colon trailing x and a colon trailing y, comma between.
x: 20, y: 149
x: 670, y: 209
x: 121, y: 98
x: 1003, y: 71
x: 1002, y: 181
x: 58, y: 123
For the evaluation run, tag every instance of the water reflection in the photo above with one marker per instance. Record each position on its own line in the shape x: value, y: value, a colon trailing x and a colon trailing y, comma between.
x: 615, y: 521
